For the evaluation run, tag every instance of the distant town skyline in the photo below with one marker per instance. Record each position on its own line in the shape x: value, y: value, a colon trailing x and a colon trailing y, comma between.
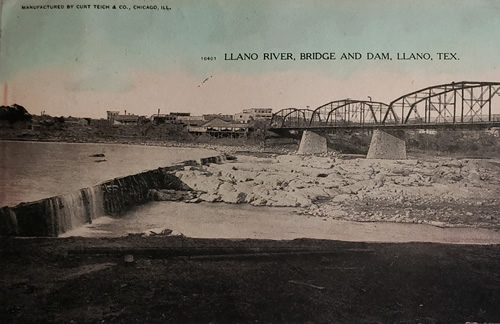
x: 84, y: 62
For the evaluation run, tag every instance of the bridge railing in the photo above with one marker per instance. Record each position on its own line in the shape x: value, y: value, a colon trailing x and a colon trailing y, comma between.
x: 484, y: 118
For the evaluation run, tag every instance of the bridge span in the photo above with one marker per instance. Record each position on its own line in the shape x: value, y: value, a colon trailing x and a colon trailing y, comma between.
x: 467, y: 105
x: 456, y: 105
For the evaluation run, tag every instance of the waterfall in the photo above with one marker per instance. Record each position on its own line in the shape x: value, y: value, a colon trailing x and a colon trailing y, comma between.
x: 96, y: 201
x: 77, y: 209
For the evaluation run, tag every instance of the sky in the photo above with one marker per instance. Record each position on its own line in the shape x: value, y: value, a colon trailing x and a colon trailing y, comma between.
x: 83, y: 62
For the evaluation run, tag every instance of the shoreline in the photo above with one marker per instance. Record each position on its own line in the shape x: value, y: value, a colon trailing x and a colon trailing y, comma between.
x: 246, y: 147
x: 223, y: 148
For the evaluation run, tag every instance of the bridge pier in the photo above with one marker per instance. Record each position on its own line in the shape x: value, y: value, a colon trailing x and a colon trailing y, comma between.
x: 312, y: 143
x: 386, y: 146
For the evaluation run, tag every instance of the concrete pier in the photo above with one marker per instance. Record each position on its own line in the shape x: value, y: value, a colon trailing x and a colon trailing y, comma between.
x: 312, y: 143
x: 386, y: 146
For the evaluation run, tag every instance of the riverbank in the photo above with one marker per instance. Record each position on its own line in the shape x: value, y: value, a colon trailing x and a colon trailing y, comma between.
x: 231, y: 146
x: 177, y: 280
x: 438, y: 191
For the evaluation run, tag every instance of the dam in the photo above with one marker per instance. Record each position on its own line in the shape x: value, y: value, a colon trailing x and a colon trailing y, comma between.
x: 50, y: 188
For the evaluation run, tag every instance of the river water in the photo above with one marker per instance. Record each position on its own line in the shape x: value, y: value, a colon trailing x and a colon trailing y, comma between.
x: 30, y: 171
x: 220, y: 220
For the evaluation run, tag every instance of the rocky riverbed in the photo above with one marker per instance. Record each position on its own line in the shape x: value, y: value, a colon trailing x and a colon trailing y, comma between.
x: 439, y: 191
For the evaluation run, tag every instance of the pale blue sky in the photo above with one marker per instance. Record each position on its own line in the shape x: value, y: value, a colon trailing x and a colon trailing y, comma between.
x: 99, y: 49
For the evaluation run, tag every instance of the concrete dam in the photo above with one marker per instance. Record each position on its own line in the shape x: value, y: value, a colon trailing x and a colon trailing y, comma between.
x: 53, y: 216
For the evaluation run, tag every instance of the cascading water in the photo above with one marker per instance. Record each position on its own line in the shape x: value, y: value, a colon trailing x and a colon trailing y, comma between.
x: 96, y: 201
x: 79, y: 208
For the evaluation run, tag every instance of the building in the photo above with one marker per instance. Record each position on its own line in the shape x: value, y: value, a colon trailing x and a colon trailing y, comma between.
x: 260, y: 113
x: 228, y: 118
x: 115, y: 118
x: 112, y: 115
x: 164, y: 119
x: 75, y: 121
x: 218, y: 127
x: 180, y: 114
x: 242, y: 117
x: 172, y: 118
x: 249, y: 115
x: 191, y: 120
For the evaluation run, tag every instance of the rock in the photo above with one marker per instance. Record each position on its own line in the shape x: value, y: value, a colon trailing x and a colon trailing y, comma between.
x: 473, y: 176
x: 229, y: 194
x: 452, y: 164
x: 225, y: 188
x: 282, y: 199
x: 341, y: 198
x: 359, y: 177
x: 128, y: 259
x: 358, y: 186
x: 235, y: 198
x: 165, y: 231
x: 205, y: 182
x: 210, y: 197
x: 259, y: 202
x: 299, y: 198
x: 409, y: 162
x: 172, y: 195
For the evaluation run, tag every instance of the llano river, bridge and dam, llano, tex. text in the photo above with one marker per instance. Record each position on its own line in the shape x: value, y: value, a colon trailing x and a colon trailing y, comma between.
x: 332, y: 56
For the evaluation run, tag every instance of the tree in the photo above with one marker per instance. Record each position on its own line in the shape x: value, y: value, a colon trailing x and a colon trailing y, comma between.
x: 14, y: 113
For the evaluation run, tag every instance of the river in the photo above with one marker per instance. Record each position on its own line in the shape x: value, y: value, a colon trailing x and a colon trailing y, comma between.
x: 221, y: 220
x: 30, y: 171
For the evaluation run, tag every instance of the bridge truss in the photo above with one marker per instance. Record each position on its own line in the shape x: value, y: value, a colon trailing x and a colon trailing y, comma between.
x: 462, y: 102
x: 457, y: 104
x: 347, y: 111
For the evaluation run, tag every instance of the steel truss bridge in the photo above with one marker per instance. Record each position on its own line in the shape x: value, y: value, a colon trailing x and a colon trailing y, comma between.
x: 463, y: 104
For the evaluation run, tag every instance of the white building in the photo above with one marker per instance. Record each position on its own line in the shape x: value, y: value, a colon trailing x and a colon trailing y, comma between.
x: 251, y: 114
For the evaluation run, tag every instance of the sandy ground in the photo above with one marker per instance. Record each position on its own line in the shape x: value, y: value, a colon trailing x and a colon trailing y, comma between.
x: 443, y: 192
